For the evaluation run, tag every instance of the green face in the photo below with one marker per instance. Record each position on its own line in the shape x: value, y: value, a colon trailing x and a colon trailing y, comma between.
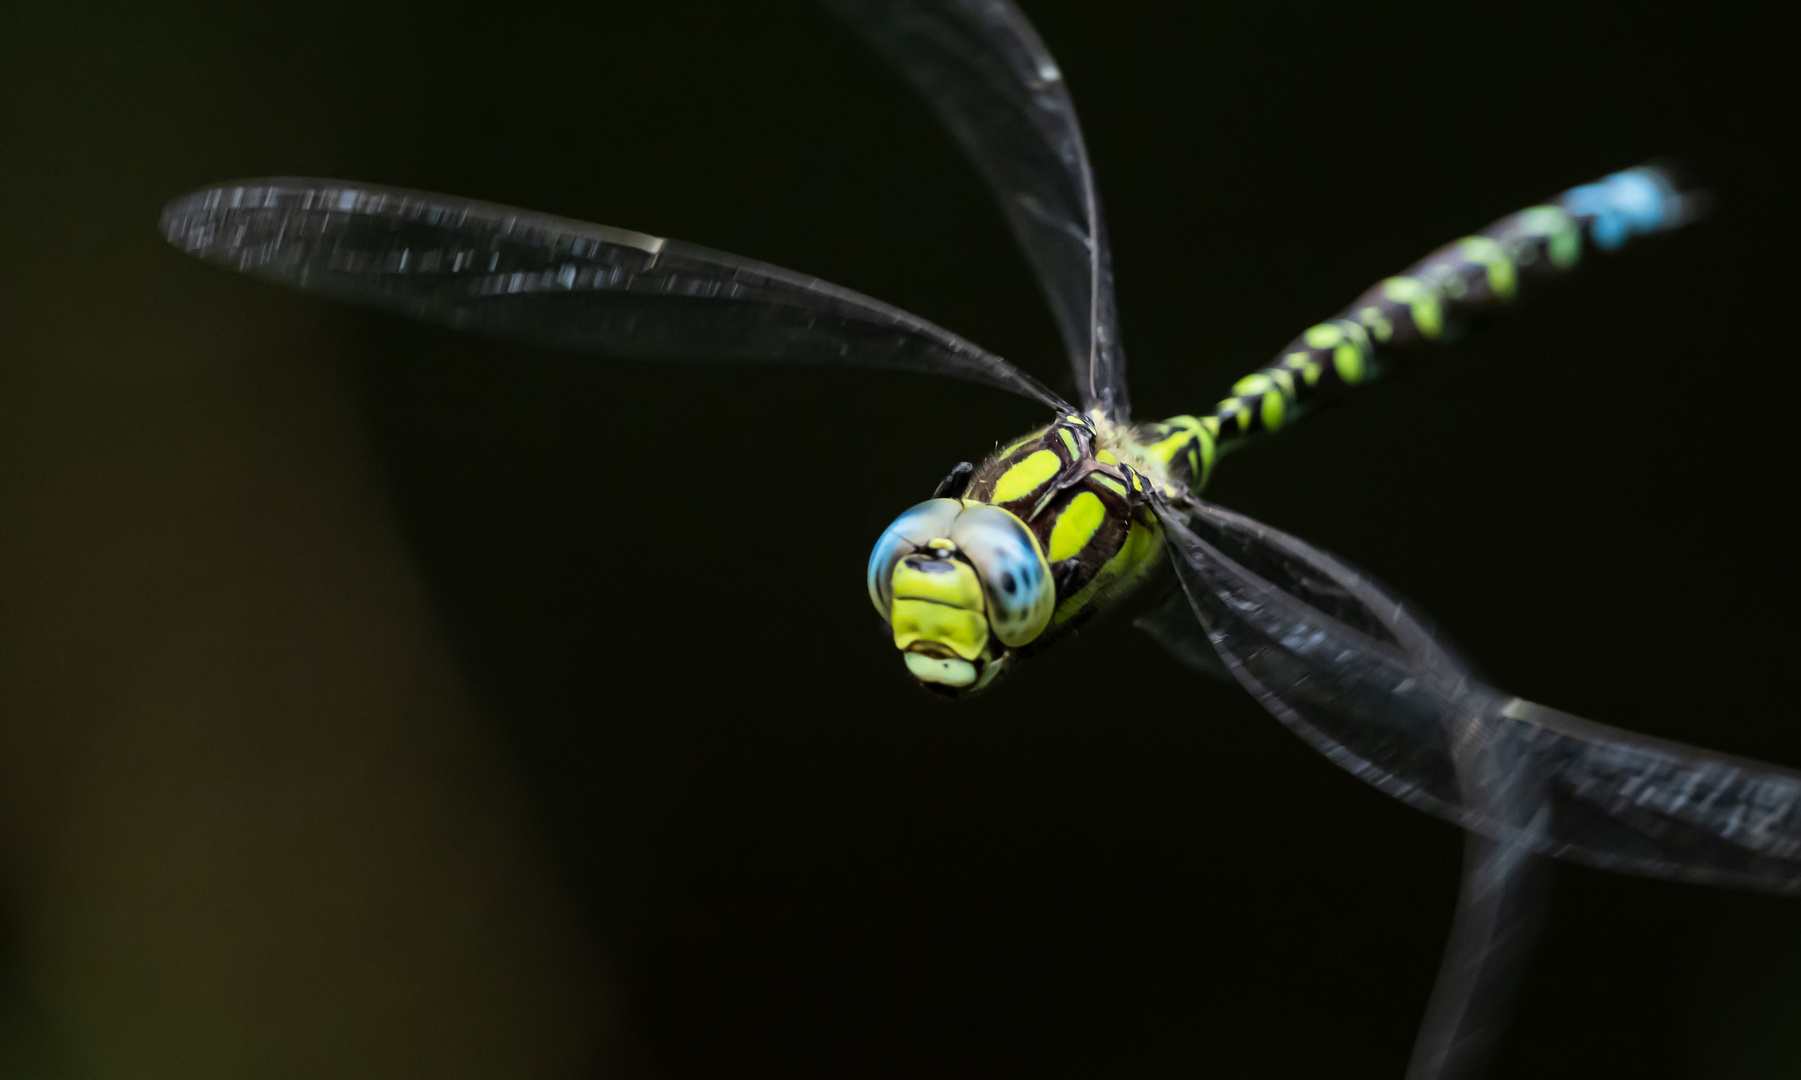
x: 962, y: 584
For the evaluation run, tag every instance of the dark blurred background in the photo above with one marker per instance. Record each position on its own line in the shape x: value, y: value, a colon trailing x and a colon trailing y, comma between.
x: 379, y: 702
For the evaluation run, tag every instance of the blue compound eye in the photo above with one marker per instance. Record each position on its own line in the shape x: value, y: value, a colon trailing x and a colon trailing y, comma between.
x: 1015, y: 577
x: 930, y: 520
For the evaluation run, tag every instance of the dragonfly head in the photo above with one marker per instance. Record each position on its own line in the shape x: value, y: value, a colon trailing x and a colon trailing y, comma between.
x: 962, y: 584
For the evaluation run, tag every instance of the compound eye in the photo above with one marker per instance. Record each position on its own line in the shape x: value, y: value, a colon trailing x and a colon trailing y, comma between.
x: 930, y: 520
x: 1015, y: 577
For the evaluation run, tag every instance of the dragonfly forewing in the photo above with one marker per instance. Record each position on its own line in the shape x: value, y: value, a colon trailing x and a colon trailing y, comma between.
x: 526, y: 276
x: 996, y: 88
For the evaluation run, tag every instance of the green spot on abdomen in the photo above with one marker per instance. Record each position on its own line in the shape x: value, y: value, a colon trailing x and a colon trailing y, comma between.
x: 1303, y: 363
x: 1274, y: 407
x: 1563, y: 238
x: 1252, y: 385
x: 1323, y: 336
x: 1422, y: 304
x: 1380, y: 327
x: 1502, y: 280
x: 1236, y: 412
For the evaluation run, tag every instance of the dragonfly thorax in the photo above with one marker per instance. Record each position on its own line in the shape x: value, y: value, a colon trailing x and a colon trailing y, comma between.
x: 1050, y: 530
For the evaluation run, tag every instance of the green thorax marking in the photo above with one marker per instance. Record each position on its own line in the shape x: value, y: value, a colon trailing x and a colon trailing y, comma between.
x: 1083, y: 486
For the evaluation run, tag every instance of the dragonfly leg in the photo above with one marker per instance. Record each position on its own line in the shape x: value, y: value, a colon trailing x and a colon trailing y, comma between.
x: 954, y: 485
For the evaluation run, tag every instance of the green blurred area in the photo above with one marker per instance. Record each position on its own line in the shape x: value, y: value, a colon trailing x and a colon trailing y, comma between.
x: 379, y: 702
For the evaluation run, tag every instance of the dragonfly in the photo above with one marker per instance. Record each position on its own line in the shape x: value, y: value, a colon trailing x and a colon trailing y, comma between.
x: 1008, y: 556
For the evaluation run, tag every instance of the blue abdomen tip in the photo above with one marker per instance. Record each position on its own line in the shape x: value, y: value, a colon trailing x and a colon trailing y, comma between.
x: 1626, y: 204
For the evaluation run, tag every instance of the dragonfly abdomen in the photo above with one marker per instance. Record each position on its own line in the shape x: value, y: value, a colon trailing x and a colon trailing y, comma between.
x: 1436, y: 297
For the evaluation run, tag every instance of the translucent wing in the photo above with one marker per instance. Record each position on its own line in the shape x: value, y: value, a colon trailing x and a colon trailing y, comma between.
x: 981, y: 66
x: 1500, y: 899
x: 1501, y: 894
x: 551, y: 281
x: 1497, y: 917
x: 1336, y: 658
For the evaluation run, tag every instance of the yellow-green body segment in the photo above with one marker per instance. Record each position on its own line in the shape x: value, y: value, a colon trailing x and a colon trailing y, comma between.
x: 1083, y: 488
